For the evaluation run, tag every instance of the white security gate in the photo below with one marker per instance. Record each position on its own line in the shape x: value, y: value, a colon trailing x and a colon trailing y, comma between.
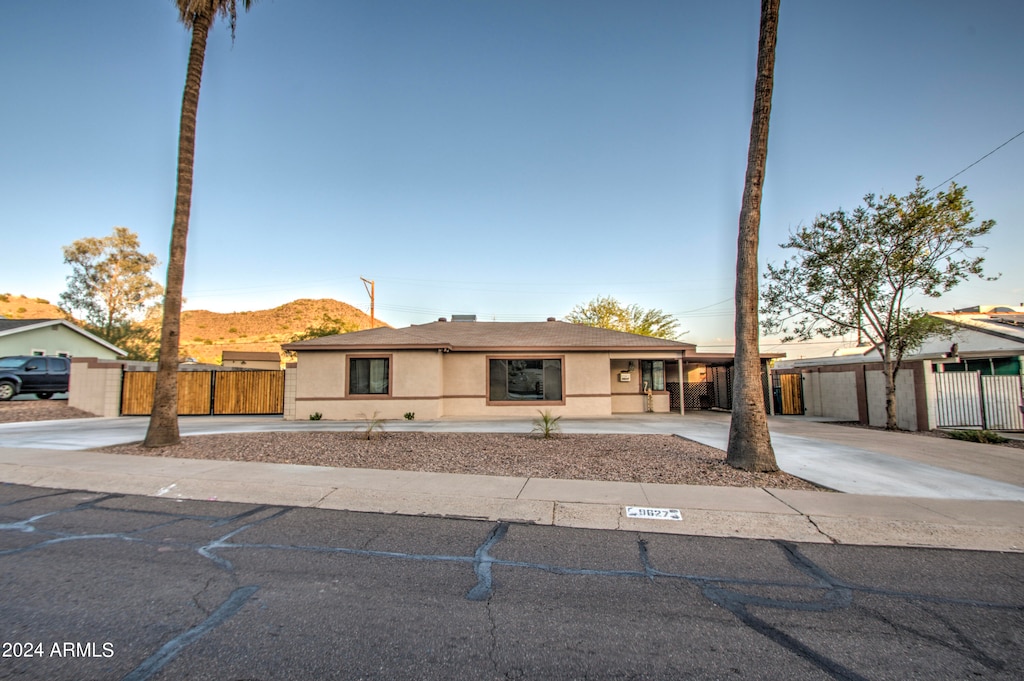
x: 966, y: 399
x: 1002, y: 398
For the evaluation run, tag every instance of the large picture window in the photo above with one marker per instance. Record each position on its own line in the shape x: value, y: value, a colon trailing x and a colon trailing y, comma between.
x: 368, y: 375
x: 525, y: 380
x: 652, y: 372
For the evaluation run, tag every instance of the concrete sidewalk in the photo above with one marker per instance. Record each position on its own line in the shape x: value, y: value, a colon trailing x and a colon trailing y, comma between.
x: 938, y: 512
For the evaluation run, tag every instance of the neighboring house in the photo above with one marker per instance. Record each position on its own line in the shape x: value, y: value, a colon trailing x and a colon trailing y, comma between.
x: 251, y: 360
x: 971, y: 378
x: 55, y: 337
x: 470, y: 368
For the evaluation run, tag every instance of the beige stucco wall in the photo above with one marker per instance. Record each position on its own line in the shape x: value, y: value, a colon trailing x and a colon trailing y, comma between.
x: 321, y: 380
x: 465, y: 375
x: 618, y: 387
x: 433, y: 384
x: 95, y: 386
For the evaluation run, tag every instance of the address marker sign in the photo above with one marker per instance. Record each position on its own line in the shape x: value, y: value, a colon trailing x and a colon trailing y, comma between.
x: 653, y: 513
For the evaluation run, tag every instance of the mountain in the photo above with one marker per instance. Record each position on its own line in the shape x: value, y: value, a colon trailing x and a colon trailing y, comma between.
x: 205, y: 334
x: 22, y: 307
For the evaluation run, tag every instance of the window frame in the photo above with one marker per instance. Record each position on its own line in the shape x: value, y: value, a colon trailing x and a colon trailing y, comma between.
x: 664, y: 374
x: 519, y: 403
x: 389, y: 358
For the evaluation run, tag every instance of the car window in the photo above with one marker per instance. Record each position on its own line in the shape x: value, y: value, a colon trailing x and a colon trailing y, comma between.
x: 11, y: 362
x: 57, y: 366
x: 35, y: 365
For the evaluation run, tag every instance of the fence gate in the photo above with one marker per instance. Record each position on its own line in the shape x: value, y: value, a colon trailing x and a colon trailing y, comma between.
x: 790, y: 391
x: 1001, y: 396
x: 208, y: 392
x: 966, y: 399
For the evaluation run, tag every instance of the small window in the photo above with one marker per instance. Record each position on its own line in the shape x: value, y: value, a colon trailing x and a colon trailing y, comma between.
x: 525, y: 380
x: 36, y: 365
x: 38, y: 353
x: 653, y: 374
x: 368, y: 375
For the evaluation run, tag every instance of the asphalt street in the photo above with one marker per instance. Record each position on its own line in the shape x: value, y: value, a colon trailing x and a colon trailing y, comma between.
x: 106, y: 586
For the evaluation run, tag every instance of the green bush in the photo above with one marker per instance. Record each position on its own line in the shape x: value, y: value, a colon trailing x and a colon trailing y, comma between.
x: 315, y: 416
x: 983, y: 436
x: 410, y: 415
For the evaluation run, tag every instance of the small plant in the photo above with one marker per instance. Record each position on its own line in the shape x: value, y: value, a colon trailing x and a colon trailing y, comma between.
x: 547, y: 425
x: 315, y: 416
x: 410, y: 415
x: 372, y: 426
x: 983, y: 436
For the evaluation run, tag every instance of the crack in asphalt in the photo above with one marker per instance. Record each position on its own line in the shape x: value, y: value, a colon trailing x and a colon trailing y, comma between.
x: 170, y: 650
x: 730, y: 593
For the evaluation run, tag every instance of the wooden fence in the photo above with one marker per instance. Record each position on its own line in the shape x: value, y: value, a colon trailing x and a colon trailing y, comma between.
x: 791, y: 390
x: 208, y: 392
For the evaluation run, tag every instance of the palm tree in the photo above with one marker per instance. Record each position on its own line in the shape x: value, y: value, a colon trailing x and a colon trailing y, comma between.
x: 197, y: 16
x: 750, y: 445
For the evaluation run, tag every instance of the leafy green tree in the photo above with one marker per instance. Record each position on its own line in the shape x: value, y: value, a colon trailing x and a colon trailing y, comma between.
x: 197, y: 16
x: 110, y: 289
x: 857, y: 271
x: 750, y: 445
x: 110, y: 280
x: 608, y: 313
x: 328, y: 326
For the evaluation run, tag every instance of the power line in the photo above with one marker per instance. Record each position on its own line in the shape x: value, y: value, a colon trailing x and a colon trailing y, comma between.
x: 977, y: 162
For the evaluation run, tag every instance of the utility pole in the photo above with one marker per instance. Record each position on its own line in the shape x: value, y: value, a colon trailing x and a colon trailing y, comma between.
x: 370, y: 287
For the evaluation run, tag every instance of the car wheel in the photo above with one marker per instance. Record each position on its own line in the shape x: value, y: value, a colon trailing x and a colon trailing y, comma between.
x: 6, y: 390
x: 44, y: 396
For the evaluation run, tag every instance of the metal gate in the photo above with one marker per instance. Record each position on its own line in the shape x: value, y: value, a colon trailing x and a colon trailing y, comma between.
x: 966, y: 399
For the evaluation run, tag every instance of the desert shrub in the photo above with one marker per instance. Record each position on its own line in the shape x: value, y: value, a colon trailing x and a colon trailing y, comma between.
x: 547, y: 425
x: 372, y: 426
x: 983, y: 436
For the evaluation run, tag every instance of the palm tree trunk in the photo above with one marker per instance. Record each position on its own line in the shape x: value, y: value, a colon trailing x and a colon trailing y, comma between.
x: 163, y: 421
x: 750, y: 445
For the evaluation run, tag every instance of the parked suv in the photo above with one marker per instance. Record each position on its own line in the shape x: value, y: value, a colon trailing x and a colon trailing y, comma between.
x: 43, y: 376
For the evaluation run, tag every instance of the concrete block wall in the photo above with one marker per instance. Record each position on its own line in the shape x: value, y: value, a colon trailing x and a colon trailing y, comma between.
x: 95, y: 386
x: 906, y: 402
x: 832, y: 395
x: 289, y: 391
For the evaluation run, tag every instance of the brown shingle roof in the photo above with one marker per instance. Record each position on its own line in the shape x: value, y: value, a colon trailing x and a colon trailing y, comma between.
x: 490, y: 336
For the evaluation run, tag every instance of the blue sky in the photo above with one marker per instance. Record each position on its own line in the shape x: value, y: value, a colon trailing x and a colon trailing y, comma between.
x: 504, y: 158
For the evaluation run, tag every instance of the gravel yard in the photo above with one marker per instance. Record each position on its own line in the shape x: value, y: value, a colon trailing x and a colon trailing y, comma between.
x: 20, y: 411
x: 627, y: 458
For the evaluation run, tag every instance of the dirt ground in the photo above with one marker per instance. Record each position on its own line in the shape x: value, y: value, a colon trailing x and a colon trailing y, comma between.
x: 17, y: 411
x: 628, y: 458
